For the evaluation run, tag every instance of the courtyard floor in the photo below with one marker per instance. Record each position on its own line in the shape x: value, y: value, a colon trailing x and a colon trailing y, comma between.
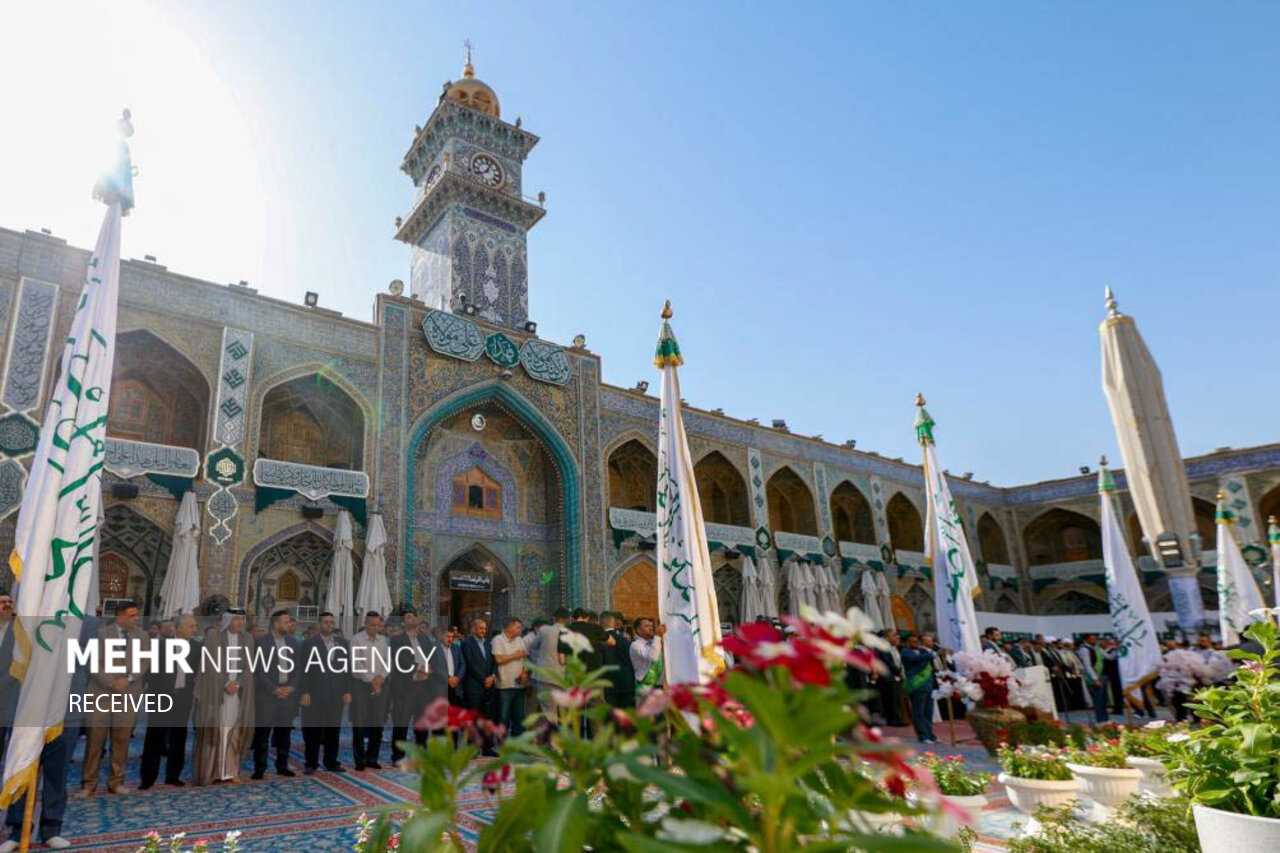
x: 317, y: 813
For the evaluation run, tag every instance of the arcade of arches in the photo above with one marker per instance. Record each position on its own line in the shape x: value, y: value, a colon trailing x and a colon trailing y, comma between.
x: 851, y: 515
x: 722, y: 491
x: 1062, y: 536
x: 906, y: 530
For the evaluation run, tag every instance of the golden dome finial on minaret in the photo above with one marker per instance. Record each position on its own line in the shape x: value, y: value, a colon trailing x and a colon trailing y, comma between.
x: 473, y: 92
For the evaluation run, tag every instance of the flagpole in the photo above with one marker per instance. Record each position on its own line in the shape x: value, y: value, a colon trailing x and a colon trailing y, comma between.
x: 29, y: 809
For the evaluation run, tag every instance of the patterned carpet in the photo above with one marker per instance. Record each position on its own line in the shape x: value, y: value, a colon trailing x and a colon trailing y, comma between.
x: 317, y: 813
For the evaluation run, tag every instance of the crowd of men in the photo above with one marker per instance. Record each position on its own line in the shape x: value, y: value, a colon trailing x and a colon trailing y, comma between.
x: 362, y: 680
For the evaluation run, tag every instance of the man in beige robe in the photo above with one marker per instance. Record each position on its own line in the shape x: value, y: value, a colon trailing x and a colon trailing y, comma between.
x: 224, y: 693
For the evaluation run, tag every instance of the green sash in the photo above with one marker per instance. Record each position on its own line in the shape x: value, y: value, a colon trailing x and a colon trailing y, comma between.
x: 919, y: 679
x: 653, y: 675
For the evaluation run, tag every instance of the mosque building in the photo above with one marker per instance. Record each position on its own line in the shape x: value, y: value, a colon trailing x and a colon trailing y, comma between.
x: 511, y: 479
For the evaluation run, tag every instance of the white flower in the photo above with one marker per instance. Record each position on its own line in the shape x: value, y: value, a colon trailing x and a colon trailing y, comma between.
x: 1179, y: 737
x: 1156, y: 724
x: 689, y: 831
x: 577, y: 643
x: 854, y: 625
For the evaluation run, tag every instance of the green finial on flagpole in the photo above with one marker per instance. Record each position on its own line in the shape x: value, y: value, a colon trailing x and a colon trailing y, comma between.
x: 1106, y: 483
x: 924, y: 423
x: 1273, y: 530
x: 668, y: 353
x: 1223, y: 514
x: 116, y: 185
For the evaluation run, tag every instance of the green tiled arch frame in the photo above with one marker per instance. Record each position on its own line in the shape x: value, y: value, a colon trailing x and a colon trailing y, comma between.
x: 551, y: 440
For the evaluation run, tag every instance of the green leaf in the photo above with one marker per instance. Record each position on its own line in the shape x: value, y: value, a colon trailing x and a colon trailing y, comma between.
x: 516, y: 817
x: 708, y: 794
x: 423, y: 831
x: 564, y: 828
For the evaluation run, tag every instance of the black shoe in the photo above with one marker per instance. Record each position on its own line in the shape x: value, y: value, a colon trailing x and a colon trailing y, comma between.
x: 359, y: 766
x: 285, y: 771
x: 146, y: 786
x: 177, y: 783
x: 335, y: 768
x: 258, y: 774
x: 373, y: 765
x: 307, y: 771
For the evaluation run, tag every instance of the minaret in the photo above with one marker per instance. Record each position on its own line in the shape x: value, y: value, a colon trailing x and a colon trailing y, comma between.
x: 1153, y: 467
x: 469, y: 223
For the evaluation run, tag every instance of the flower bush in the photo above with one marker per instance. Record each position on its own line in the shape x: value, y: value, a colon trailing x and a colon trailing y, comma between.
x: 1031, y: 762
x: 1152, y: 740
x: 1139, y: 825
x: 1185, y: 671
x: 154, y: 842
x: 1230, y: 762
x: 1109, y: 754
x: 769, y: 757
x: 989, y: 678
x: 952, y: 777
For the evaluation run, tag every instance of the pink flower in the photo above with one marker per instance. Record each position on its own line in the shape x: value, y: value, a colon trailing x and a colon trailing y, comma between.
x: 573, y: 698
x: 654, y: 703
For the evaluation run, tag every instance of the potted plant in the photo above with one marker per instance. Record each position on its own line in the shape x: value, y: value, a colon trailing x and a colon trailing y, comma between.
x: 1034, y: 777
x: 1228, y: 767
x: 1105, y: 777
x: 988, y: 679
x: 1145, y: 747
x: 966, y: 789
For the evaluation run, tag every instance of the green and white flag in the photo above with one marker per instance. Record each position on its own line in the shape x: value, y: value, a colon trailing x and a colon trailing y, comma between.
x: 1135, y: 631
x: 55, y: 542
x: 955, y: 580
x: 686, y: 592
x: 1238, y: 593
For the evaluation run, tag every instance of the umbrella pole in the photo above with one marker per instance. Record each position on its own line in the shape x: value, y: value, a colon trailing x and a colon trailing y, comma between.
x: 29, y: 810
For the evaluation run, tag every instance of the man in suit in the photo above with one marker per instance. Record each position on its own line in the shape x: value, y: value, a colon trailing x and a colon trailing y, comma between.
x: 167, y: 731
x: 276, y: 680
x: 8, y: 684
x: 889, y: 684
x: 992, y: 642
x: 1093, y: 660
x: 455, y: 666
x: 370, y: 692
x: 104, y: 722
x: 622, y: 693
x: 325, y: 684
x: 419, y: 676
x: 481, y: 675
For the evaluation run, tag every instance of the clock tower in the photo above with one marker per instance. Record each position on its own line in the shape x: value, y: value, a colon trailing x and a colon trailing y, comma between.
x: 468, y: 228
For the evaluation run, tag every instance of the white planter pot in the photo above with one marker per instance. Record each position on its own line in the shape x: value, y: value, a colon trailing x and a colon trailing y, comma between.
x: 1108, y: 787
x: 1228, y: 832
x: 885, y: 822
x: 1027, y: 795
x: 1155, y: 778
x: 948, y: 825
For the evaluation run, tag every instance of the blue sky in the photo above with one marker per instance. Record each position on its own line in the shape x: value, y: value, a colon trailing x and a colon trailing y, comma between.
x: 846, y: 202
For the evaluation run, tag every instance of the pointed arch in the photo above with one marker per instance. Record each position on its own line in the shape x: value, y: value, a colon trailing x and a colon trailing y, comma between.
x: 906, y: 529
x: 140, y: 548
x: 851, y: 515
x: 312, y: 416
x: 722, y: 490
x: 791, y: 505
x: 251, y: 556
x: 1079, y: 601
x: 1061, y: 536
x: 634, y: 588
x: 457, y: 605
x: 158, y: 394
x: 1205, y: 514
x: 1268, y: 506
x: 633, y: 476
x: 991, y: 541
x: 557, y: 448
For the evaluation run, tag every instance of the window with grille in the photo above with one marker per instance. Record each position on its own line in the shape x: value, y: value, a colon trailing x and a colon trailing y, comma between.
x: 478, y: 495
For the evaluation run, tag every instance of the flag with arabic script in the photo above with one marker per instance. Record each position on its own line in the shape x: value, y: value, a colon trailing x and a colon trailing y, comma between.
x: 1135, y: 631
x: 1238, y: 593
x: 686, y: 591
x: 955, y: 580
x: 57, y: 532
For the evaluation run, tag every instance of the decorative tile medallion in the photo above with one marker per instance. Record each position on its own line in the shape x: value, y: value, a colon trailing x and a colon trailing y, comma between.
x: 311, y: 481
x: 29, y: 346
x: 130, y: 458
x: 224, y: 467
x: 828, y: 546
x: 454, y: 336
x: 763, y: 540
x: 501, y: 350
x: 19, y: 435
x: 12, y: 476
x: 546, y: 362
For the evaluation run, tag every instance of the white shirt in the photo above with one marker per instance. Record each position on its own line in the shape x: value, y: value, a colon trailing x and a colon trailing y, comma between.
x: 644, y: 653
x: 372, y: 660
x: 282, y: 678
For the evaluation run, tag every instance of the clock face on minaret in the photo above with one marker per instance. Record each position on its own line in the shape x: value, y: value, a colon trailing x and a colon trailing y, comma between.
x: 486, y: 170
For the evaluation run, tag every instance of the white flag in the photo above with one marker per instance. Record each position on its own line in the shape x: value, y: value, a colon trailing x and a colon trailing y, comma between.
x: 686, y: 591
x: 947, y: 552
x: 57, y: 531
x: 1135, y: 632
x: 1273, y: 537
x: 1238, y: 592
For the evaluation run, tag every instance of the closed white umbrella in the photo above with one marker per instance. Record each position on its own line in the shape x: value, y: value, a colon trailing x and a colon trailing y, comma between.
x: 374, y: 594
x: 752, y: 604
x: 768, y: 588
x: 339, y: 601
x: 833, y: 590
x: 180, y: 592
x: 886, y: 601
x: 871, y: 598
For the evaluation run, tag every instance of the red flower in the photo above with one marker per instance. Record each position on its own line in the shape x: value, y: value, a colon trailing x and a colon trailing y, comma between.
x: 495, y: 779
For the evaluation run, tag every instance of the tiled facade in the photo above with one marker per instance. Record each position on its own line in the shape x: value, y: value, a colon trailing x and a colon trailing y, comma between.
x: 416, y: 380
